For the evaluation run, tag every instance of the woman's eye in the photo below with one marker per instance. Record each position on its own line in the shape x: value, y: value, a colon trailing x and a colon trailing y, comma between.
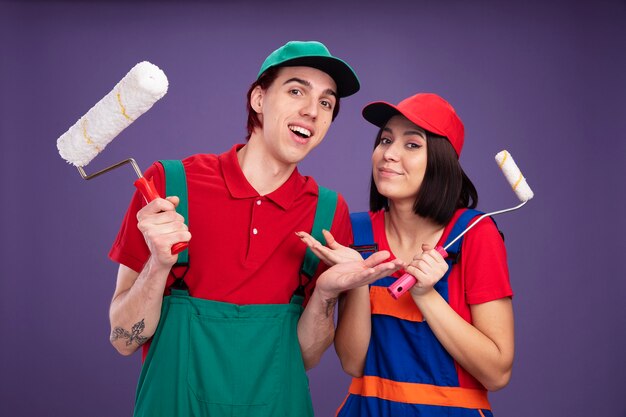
x: 412, y: 145
x: 385, y: 141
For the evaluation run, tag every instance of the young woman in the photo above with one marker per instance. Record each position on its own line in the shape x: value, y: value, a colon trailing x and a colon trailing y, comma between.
x: 440, y: 347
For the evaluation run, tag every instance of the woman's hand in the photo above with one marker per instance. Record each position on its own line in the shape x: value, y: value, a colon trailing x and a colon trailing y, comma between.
x: 428, y: 268
x: 333, y: 254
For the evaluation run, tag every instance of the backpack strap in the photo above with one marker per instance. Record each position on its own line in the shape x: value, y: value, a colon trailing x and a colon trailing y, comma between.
x: 324, y: 215
x: 363, y: 234
x: 176, y: 184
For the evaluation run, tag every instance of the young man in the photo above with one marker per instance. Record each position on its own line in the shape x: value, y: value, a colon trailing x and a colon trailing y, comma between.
x: 230, y: 337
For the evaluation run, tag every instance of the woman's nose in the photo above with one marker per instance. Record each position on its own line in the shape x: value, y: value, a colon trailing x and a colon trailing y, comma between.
x: 391, y: 153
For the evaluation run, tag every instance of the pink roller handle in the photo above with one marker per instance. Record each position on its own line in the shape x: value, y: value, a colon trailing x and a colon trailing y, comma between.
x: 402, y: 285
x: 149, y: 192
x: 406, y: 281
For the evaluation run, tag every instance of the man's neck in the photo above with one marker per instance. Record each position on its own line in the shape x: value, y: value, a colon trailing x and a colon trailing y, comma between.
x: 265, y: 174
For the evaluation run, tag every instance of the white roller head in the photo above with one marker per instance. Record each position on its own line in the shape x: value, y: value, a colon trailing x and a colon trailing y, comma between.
x: 135, y: 94
x: 514, y: 176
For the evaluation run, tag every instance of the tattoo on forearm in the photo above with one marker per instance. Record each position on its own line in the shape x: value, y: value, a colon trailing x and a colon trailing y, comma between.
x: 330, y: 306
x: 133, y: 336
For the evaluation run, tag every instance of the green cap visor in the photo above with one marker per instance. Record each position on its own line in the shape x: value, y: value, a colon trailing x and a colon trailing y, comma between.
x: 316, y: 55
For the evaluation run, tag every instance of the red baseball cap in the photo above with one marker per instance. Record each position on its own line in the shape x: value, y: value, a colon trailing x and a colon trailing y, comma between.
x: 427, y: 110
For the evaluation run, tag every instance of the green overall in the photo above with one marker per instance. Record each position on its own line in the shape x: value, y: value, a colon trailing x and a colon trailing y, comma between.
x: 210, y: 358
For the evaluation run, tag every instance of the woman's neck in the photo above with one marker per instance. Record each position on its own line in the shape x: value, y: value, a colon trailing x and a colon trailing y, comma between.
x: 407, y: 231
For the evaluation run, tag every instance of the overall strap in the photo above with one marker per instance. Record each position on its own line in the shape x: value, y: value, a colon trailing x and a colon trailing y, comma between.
x: 176, y: 185
x: 464, y: 220
x: 324, y: 215
x: 363, y: 234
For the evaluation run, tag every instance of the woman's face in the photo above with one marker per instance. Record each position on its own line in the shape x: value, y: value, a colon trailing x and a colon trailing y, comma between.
x: 399, y: 160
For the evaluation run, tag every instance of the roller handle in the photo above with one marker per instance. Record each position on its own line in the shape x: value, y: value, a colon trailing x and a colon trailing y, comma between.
x: 149, y: 192
x: 406, y: 281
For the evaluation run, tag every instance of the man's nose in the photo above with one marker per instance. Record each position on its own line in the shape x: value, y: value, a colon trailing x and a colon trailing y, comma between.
x: 310, y: 108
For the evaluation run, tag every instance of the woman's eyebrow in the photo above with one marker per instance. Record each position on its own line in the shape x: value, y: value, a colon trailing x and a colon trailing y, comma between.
x: 407, y: 132
x: 414, y: 132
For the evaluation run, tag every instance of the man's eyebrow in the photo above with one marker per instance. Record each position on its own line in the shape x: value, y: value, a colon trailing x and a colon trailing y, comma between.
x: 306, y: 83
x: 298, y: 80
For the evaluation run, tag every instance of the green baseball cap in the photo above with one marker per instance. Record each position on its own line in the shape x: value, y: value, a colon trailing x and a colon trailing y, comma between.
x: 314, y: 54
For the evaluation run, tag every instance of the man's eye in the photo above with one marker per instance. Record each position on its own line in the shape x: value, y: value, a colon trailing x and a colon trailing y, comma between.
x: 327, y: 104
x: 295, y: 92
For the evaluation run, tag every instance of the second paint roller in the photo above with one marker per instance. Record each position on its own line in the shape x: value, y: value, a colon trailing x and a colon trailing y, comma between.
x: 131, y: 97
x: 523, y: 192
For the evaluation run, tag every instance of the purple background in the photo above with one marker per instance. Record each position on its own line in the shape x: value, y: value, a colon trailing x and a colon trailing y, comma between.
x: 541, y: 79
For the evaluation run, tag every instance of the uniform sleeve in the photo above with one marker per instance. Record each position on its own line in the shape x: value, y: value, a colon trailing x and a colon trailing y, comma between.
x: 485, y: 270
x: 129, y: 247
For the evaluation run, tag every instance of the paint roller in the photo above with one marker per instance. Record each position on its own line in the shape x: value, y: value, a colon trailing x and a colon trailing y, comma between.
x: 523, y: 192
x: 135, y: 94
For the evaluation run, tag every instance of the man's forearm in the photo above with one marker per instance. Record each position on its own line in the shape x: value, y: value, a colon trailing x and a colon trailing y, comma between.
x: 316, y: 328
x: 135, y: 311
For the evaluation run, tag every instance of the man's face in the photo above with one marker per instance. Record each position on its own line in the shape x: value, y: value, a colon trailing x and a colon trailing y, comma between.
x: 295, y: 112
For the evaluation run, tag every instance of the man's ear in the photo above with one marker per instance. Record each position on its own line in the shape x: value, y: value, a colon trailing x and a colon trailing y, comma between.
x: 256, y: 99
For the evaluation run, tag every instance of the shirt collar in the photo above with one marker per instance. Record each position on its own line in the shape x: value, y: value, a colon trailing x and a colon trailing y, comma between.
x: 239, y: 187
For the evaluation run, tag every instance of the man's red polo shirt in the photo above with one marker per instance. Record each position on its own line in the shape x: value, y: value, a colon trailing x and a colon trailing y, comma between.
x: 243, y: 248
